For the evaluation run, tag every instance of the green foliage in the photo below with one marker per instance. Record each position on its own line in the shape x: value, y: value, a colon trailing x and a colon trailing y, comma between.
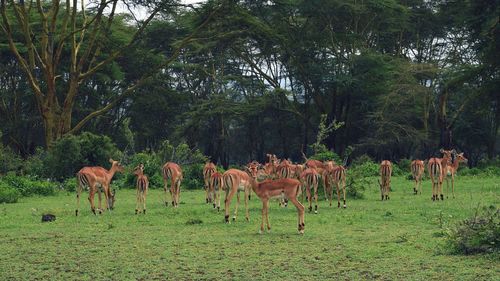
x: 9, y: 160
x: 326, y: 155
x: 70, y: 153
x: 366, y: 169
x: 152, y: 169
x: 35, y: 165
x: 478, y: 234
x: 8, y: 194
x: 180, y: 154
x: 28, y: 187
x: 70, y: 184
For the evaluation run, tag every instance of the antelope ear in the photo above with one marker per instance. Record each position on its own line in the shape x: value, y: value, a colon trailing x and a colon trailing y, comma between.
x: 441, y: 150
x: 111, y: 160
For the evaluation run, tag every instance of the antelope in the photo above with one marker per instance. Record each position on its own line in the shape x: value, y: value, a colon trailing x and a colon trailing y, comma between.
x: 451, y: 170
x: 417, y: 171
x: 208, y: 170
x: 268, y: 189
x: 385, y: 175
x: 235, y: 181
x: 284, y: 170
x: 142, y: 185
x: 326, y: 173
x: 436, y: 173
x: 95, y: 179
x: 215, y: 186
x: 445, y: 162
x: 310, y: 177
x: 173, y: 172
x: 338, y: 177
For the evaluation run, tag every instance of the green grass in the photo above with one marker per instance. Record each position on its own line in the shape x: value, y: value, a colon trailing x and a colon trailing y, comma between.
x: 397, y: 239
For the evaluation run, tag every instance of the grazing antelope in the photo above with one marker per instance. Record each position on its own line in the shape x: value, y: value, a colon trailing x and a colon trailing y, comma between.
x: 310, y: 178
x: 208, y: 170
x: 338, y: 177
x: 436, y: 173
x: 95, y: 179
x: 417, y: 171
x: 216, y: 186
x: 142, y: 185
x: 235, y: 181
x: 268, y: 189
x: 385, y: 175
x: 173, y: 172
x: 452, y: 168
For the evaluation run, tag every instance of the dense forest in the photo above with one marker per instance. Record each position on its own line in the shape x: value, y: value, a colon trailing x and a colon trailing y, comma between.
x: 239, y: 79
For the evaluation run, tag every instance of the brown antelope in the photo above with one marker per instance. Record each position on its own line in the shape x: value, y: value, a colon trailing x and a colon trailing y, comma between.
x: 337, y: 175
x: 445, y: 162
x: 173, y: 172
x: 451, y: 170
x: 284, y: 169
x: 142, y: 185
x: 385, y: 175
x: 310, y: 178
x: 436, y: 173
x: 235, y: 181
x: 216, y: 186
x: 268, y: 189
x: 208, y: 170
x: 417, y: 171
x: 326, y: 174
x: 95, y: 179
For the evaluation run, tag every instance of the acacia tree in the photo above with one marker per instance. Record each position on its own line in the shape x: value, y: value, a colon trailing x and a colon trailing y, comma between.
x: 49, y: 29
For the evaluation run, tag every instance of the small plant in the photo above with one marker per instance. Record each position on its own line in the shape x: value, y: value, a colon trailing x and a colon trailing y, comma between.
x: 478, y: 234
x: 8, y: 194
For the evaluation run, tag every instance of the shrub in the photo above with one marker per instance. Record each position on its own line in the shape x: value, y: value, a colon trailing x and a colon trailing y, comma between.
x: 9, y: 160
x: 35, y: 164
x: 361, y: 160
x: 152, y: 168
x: 479, y: 234
x: 404, y: 165
x: 71, y: 153
x: 8, y: 194
x: 27, y: 186
x: 70, y: 184
x: 366, y: 169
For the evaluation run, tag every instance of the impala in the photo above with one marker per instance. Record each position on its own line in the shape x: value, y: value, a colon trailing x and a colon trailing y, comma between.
x: 451, y: 170
x: 142, y: 185
x: 284, y: 169
x: 417, y: 171
x: 445, y: 162
x: 385, y: 175
x: 173, y: 172
x: 235, y: 181
x: 268, y: 189
x: 95, y: 179
x: 216, y: 186
x: 326, y: 169
x: 436, y: 173
x: 208, y: 170
x: 338, y: 177
x: 310, y: 178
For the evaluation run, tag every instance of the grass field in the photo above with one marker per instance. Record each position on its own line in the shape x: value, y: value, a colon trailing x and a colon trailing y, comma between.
x: 399, y: 239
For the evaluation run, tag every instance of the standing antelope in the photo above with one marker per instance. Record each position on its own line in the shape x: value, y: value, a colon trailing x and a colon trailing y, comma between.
x: 417, y: 171
x: 173, y: 172
x: 95, y: 179
x: 385, y: 175
x: 216, y: 185
x: 326, y: 174
x: 451, y: 170
x: 235, y: 181
x: 208, y: 170
x: 436, y: 173
x: 268, y: 189
x: 338, y: 177
x: 310, y: 178
x: 142, y: 185
x: 445, y: 162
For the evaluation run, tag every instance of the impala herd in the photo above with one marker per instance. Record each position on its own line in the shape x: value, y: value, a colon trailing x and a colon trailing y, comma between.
x: 274, y: 179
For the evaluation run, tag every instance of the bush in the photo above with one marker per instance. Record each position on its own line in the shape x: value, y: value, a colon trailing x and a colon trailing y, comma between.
x: 404, y: 165
x: 70, y: 184
x: 27, y: 186
x: 361, y: 160
x: 70, y: 153
x: 9, y: 160
x: 479, y: 234
x: 35, y: 164
x: 327, y: 156
x: 8, y: 194
x: 152, y: 168
x: 366, y: 169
